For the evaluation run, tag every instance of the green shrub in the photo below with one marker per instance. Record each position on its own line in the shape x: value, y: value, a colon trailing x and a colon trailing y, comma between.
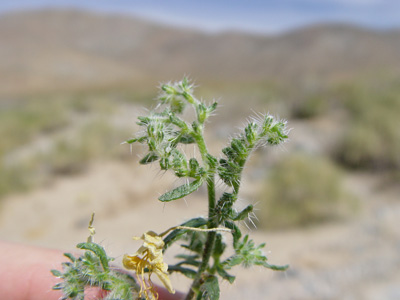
x: 20, y: 123
x: 95, y: 141
x: 309, y: 106
x: 372, y: 136
x: 13, y: 178
x: 302, y: 190
x: 373, y: 145
x: 23, y: 121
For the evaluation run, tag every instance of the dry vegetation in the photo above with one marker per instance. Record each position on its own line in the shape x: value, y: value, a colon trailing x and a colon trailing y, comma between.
x: 303, y: 190
x: 61, y: 134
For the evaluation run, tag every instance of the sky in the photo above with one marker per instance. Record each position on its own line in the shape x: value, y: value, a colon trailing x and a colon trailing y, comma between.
x: 258, y: 16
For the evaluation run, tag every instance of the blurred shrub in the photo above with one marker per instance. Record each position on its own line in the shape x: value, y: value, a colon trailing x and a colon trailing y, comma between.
x: 13, y: 178
x: 302, y: 190
x: 20, y: 122
x: 96, y: 140
x: 372, y: 137
x: 310, y: 105
x: 48, y: 118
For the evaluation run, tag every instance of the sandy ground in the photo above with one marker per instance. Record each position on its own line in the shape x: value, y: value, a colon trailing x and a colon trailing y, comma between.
x: 357, y: 259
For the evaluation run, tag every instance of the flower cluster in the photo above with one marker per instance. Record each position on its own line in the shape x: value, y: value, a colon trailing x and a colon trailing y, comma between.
x: 149, y: 257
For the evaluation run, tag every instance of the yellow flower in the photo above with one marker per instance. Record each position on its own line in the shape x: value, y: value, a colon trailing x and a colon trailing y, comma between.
x: 150, y: 257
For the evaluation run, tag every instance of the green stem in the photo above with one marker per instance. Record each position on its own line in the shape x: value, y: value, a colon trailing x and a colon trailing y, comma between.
x: 201, y: 144
x: 212, y: 221
x: 209, y: 245
x: 236, y: 184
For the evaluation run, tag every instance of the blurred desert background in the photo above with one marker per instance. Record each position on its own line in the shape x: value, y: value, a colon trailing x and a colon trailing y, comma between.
x: 72, y: 83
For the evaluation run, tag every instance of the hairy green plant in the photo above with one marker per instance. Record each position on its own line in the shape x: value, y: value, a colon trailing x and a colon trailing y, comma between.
x: 164, y: 132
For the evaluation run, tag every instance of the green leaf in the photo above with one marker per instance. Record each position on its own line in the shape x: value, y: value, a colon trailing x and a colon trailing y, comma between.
x: 225, y: 275
x: 70, y: 256
x: 196, y: 242
x: 212, y: 107
x: 149, y: 158
x: 189, y: 273
x: 188, y: 260
x: 201, y: 110
x: 177, y: 121
x: 181, y: 191
x: 229, y: 153
x: 210, y: 288
x: 179, y: 162
x: 168, y: 89
x: 56, y: 273
x: 244, y: 213
x: 212, y: 161
x: 186, y: 139
x: 236, y: 233
x: 193, y: 166
x: 248, y: 254
x: 229, y: 171
x: 177, y: 233
x: 58, y: 286
x: 143, y: 121
x: 233, y: 261
x: 219, y: 246
x: 275, y: 267
x: 239, y: 147
x: 131, y: 141
x: 251, y: 133
x: 91, y: 270
x: 98, y: 250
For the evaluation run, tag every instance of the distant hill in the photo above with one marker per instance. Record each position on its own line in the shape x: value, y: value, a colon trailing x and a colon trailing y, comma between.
x: 56, y: 49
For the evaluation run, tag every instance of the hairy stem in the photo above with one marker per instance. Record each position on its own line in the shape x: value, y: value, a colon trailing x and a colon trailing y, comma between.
x: 209, y: 245
x: 212, y: 222
x: 236, y: 184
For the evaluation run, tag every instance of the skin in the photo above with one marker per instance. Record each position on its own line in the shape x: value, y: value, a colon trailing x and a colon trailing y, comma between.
x: 25, y: 274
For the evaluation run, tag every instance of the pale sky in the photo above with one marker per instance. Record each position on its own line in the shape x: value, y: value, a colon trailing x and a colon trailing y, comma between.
x: 260, y: 16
